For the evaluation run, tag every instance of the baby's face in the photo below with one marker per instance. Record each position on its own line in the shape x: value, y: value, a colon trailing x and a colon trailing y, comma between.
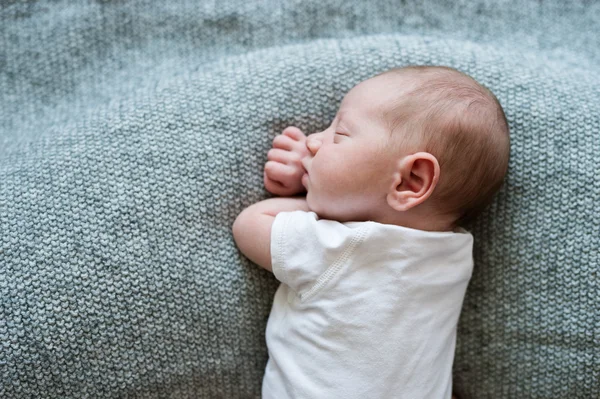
x: 350, y: 169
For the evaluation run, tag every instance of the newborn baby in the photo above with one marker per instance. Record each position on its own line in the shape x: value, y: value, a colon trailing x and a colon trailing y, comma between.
x: 374, y: 262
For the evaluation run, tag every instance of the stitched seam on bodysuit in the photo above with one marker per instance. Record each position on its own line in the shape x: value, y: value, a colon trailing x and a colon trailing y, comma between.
x: 337, y: 265
x: 281, y: 248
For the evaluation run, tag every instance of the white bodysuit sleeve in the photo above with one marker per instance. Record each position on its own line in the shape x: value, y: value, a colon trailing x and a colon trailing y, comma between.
x: 305, y: 249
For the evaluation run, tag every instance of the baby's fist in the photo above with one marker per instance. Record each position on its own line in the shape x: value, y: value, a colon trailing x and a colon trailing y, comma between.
x: 284, y: 170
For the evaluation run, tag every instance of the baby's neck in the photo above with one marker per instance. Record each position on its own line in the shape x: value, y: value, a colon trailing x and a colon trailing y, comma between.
x: 417, y: 221
x: 427, y: 226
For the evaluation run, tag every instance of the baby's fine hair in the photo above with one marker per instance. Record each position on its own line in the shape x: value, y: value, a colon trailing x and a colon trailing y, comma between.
x: 459, y: 121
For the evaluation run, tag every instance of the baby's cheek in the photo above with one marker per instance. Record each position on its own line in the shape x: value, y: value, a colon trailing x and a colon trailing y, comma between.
x: 328, y: 165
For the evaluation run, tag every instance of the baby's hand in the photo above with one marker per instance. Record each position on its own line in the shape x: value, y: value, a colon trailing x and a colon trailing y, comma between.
x: 284, y: 170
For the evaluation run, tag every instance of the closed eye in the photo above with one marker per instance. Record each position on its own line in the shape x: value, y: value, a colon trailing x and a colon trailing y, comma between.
x: 337, y: 135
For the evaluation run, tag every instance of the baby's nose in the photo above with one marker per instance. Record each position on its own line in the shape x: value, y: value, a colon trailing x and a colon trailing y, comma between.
x: 313, y: 144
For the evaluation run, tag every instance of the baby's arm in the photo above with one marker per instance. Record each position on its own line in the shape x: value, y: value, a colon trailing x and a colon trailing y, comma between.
x: 273, y: 206
x: 252, y: 227
x: 282, y: 176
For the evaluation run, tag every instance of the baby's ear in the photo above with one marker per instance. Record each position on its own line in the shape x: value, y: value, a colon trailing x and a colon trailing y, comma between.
x: 416, y: 178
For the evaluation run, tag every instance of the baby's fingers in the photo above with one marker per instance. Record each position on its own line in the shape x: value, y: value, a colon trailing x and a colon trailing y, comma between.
x: 294, y: 132
x: 284, y: 142
x: 280, y: 172
x: 274, y: 187
x: 282, y: 156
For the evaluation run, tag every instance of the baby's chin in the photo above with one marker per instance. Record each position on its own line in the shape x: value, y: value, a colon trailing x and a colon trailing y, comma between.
x: 328, y: 210
x: 315, y: 206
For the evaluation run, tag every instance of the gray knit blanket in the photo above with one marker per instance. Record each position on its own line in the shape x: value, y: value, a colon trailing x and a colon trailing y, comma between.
x: 132, y: 133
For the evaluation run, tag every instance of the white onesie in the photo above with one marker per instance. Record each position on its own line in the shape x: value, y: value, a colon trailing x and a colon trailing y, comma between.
x: 365, y: 310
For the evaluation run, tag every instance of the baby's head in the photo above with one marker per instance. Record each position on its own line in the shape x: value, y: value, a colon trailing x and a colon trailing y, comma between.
x: 422, y: 146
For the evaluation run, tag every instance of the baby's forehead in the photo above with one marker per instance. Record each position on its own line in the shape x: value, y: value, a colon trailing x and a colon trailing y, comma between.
x: 371, y: 99
x: 391, y: 97
x: 415, y: 91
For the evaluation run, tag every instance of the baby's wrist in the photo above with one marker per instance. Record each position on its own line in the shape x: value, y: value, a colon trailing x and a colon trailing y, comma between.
x: 273, y: 206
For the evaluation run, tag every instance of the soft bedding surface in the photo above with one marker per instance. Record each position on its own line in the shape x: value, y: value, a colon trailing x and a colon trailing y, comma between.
x: 132, y: 134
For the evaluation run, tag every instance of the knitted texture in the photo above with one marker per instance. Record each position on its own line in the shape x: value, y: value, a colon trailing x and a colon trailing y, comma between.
x: 133, y: 133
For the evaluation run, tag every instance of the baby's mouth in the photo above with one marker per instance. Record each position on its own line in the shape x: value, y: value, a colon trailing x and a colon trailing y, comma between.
x: 305, y: 180
x: 303, y: 162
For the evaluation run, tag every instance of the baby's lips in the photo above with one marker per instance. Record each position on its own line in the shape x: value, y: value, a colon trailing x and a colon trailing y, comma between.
x: 304, y: 163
